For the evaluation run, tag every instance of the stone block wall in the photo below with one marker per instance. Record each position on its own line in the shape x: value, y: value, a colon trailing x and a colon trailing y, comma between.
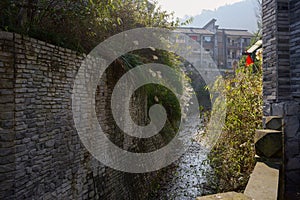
x: 276, y: 64
x: 280, y: 80
x: 270, y: 59
x: 293, y: 124
x: 7, y: 108
x: 41, y: 155
x: 294, y: 48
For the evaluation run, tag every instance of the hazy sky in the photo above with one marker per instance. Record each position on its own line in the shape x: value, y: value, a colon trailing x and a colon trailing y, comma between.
x: 192, y: 7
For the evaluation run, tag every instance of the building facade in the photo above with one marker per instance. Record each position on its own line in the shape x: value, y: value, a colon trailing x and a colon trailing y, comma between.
x: 281, y: 81
x: 225, y: 46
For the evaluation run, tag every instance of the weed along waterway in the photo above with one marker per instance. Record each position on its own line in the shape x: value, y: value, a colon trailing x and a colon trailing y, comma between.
x: 186, y: 180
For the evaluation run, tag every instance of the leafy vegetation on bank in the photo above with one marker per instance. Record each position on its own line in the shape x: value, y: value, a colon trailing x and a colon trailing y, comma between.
x: 232, y: 158
x: 158, y: 94
x: 80, y: 24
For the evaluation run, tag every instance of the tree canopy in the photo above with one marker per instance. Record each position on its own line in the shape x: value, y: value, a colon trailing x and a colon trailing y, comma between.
x: 80, y: 24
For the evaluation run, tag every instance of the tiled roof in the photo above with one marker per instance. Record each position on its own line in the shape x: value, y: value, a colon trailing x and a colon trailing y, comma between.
x: 209, y: 23
x: 236, y: 32
x: 188, y: 30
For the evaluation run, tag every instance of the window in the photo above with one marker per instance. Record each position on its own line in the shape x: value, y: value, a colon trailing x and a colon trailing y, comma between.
x: 233, y: 55
x: 194, y: 37
x: 207, y: 39
x: 247, y: 41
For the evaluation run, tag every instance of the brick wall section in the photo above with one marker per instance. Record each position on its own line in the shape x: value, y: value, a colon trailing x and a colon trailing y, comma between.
x: 293, y: 136
x: 294, y: 49
x: 276, y: 51
x: 50, y: 160
x: 281, y: 85
x: 269, y: 54
x: 283, y: 55
x: 7, y: 107
x: 41, y: 154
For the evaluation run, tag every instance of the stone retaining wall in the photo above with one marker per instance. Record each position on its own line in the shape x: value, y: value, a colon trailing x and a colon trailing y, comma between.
x: 41, y: 155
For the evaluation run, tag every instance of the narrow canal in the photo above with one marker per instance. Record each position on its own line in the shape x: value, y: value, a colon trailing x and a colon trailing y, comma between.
x: 186, y: 180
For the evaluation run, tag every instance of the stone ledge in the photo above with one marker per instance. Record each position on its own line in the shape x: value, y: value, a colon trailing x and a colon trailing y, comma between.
x: 225, y: 196
x: 268, y: 143
x: 6, y: 35
x: 260, y: 133
x: 272, y: 122
x: 263, y: 183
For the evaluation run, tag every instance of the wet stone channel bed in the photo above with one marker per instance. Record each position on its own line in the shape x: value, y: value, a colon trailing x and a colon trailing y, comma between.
x: 186, y: 179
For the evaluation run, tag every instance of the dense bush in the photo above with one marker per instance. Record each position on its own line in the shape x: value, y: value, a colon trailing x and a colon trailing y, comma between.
x: 232, y: 158
x: 80, y: 24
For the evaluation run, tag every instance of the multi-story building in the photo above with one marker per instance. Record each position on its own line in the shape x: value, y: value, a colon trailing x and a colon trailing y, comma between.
x: 225, y: 46
x: 231, y: 44
x: 207, y: 41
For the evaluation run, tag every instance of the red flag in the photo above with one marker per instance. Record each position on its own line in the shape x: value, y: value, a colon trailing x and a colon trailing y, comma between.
x: 249, y: 61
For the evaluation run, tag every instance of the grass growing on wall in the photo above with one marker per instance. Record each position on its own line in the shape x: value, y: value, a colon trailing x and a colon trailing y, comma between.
x: 232, y: 158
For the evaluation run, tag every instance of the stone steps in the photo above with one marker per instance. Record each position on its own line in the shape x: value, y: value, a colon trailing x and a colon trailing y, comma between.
x: 269, y: 141
x: 265, y: 182
x: 266, y: 179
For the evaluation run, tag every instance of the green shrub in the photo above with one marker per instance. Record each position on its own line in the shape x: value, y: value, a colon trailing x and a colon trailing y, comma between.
x: 232, y: 158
